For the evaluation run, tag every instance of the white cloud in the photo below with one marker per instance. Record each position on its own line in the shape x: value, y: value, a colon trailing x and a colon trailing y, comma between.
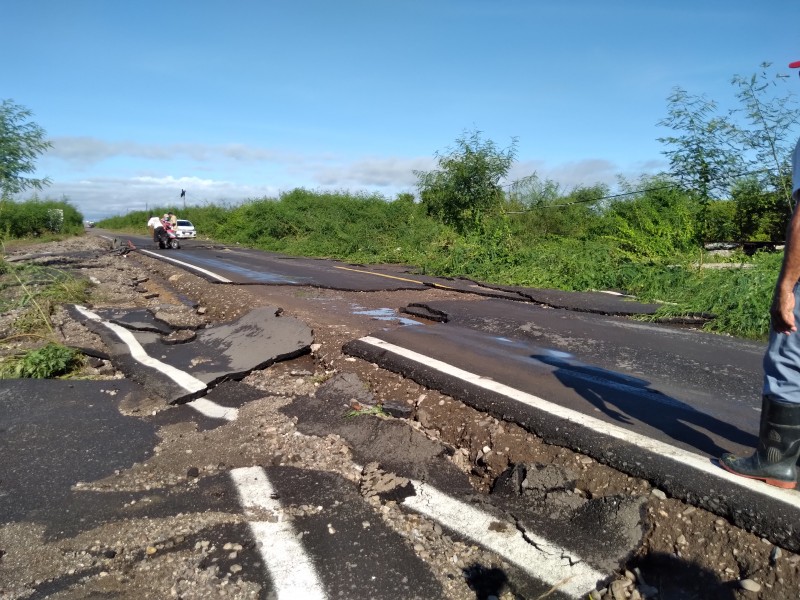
x: 585, y: 172
x: 391, y: 172
x: 229, y: 170
x: 103, y: 197
x: 86, y: 151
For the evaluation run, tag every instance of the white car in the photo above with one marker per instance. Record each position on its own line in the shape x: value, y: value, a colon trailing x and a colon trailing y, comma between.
x: 185, y: 229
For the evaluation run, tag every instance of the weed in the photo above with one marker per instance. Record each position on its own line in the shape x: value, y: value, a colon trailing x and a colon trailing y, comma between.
x: 322, y: 378
x: 39, y: 290
x: 49, y: 361
x: 376, y: 410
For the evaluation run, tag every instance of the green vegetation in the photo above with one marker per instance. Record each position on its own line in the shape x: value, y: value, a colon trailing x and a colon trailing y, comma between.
x: 466, y: 187
x: 31, y: 293
x: 375, y: 411
x: 47, y: 362
x: 38, y: 291
x: 21, y: 142
x: 40, y: 219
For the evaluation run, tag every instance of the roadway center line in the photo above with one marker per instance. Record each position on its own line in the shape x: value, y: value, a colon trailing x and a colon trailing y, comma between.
x: 188, y: 382
x: 189, y: 266
x: 438, y: 285
x: 680, y: 456
x: 538, y: 557
x: 290, y: 568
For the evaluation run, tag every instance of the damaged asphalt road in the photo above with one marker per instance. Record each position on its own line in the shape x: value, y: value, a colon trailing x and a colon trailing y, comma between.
x: 283, y: 471
x: 417, y: 467
x: 86, y: 444
x: 179, y: 361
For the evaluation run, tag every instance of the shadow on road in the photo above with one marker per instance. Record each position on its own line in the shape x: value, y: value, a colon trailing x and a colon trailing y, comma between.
x: 677, y: 578
x: 627, y: 400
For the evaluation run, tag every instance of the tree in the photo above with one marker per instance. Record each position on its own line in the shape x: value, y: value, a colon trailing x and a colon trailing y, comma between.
x: 771, y: 123
x: 703, y: 156
x: 466, y: 186
x: 21, y: 142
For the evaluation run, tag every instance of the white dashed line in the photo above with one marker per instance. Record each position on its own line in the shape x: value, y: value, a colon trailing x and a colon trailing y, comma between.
x: 210, y: 409
x: 290, y: 568
x: 538, y: 557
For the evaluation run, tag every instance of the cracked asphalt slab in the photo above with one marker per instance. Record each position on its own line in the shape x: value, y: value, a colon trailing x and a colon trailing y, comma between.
x: 687, y: 474
x: 180, y: 372
x: 412, y: 456
x: 82, y: 437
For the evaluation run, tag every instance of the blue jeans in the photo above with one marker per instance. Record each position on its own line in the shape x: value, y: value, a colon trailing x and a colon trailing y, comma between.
x: 782, y: 361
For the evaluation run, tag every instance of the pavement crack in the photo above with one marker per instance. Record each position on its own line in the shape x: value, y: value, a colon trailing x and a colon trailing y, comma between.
x: 524, y: 533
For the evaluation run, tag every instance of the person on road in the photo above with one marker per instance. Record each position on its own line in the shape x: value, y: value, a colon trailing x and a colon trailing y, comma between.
x: 775, y: 458
x: 173, y: 220
x: 152, y: 223
x: 163, y: 226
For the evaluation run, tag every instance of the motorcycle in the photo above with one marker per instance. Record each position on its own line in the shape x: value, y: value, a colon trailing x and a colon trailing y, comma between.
x: 167, y: 239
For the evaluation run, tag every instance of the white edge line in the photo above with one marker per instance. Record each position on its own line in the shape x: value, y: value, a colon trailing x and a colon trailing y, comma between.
x: 183, y: 379
x: 538, y: 557
x: 290, y: 568
x: 213, y: 410
x: 695, y: 461
x: 190, y: 266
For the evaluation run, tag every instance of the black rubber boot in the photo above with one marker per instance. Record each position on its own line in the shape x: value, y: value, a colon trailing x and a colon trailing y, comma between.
x: 774, y: 461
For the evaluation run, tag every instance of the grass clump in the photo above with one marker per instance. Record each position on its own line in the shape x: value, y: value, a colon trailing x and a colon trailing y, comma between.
x: 30, y: 293
x: 47, y: 362
x: 36, y: 291
x: 376, y: 411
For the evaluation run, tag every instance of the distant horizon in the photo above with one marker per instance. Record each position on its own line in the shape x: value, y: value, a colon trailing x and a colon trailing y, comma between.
x: 238, y: 102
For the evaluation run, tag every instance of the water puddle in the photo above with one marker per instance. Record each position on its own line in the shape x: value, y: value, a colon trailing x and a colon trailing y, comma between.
x: 383, y: 314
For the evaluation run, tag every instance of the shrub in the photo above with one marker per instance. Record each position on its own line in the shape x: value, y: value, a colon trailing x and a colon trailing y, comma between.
x: 43, y: 363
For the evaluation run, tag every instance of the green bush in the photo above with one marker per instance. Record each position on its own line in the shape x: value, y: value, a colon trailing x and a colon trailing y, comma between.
x: 34, y: 217
x: 49, y: 361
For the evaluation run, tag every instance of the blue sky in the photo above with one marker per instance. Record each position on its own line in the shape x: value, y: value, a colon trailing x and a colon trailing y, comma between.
x: 240, y: 99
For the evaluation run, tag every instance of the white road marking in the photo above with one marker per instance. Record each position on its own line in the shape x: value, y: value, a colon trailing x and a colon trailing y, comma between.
x: 538, y: 557
x: 189, y: 383
x: 190, y: 266
x: 290, y: 568
x: 213, y: 410
x: 680, y: 456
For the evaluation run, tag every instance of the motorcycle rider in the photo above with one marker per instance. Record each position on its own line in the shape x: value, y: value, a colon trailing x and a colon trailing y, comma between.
x: 160, y: 232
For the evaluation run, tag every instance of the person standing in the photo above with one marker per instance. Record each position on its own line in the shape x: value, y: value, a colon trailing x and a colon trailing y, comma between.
x: 173, y: 220
x: 775, y: 458
x: 152, y: 224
